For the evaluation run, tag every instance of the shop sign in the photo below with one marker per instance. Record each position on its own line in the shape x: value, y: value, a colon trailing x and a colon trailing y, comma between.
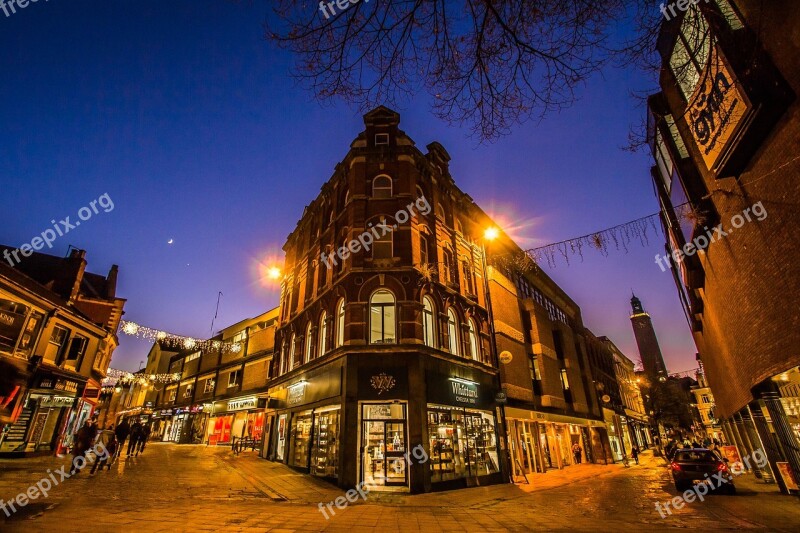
x: 11, y: 322
x: 242, y: 403
x: 505, y: 357
x: 296, y: 393
x: 382, y: 383
x: 60, y: 384
x: 718, y: 107
x: 463, y: 392
x: 501, y: 397
x: 56, y: 401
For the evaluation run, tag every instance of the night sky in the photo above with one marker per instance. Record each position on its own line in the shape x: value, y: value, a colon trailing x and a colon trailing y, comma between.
x: 188, y: 119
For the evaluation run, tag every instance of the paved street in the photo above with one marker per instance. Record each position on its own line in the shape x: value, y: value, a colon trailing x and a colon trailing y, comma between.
x: 189, y: 488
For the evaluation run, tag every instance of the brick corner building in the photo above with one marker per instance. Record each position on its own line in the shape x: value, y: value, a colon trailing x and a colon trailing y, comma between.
x: 724, y: 132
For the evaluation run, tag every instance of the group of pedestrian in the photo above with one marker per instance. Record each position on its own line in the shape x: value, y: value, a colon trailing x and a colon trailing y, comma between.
x: 111, y: 440
x: 138, y: 433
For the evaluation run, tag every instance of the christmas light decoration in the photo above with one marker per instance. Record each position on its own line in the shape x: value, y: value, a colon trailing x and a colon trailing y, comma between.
x: 176, y: 341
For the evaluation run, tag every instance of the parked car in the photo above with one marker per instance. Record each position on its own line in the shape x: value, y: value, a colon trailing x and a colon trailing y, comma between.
x: 690, y: 465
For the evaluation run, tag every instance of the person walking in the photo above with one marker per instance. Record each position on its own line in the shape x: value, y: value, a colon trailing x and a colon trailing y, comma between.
x: 635, y: 453
x: 144, y: 436
x: 108, y: 440
x: 122, y: 432
x: 82, y: 442
x: 136, y: 435
x: 576, y: 453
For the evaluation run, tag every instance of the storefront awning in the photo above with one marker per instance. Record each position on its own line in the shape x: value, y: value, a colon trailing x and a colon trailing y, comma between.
x: 537, y: 416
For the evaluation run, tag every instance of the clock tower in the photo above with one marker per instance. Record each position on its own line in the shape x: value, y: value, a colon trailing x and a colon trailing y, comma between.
x: 646, y: 340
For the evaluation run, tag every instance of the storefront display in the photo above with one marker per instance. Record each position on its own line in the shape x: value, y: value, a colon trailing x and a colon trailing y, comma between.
x: 220, y: 430
x: 324, y: 459
x: 384, y: 444
x: 301, y: 439
x: 462, y: 443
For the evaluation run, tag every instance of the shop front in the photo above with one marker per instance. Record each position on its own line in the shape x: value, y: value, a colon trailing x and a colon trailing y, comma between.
x: 305, y: 425
x: 237, y: 418
x: 543, y: 441
x: 462, y: 433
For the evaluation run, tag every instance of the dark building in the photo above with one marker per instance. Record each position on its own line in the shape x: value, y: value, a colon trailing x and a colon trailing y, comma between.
x: 724, y: 133
x: 385, y: 370
x: 58, y: 327
x: 383, y: 346
x: 647, y: 341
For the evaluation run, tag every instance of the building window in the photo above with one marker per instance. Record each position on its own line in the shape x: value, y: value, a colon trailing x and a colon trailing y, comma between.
x: 473, y: 341
x: 466, y: 270
x: 730, y: 15
x: 381, y: 139
x: 323, y: 334
x: 233, y: 378
x: 192, y: 357
x: 423, y: 250
x: 382, y: 318
x: 77, y: 347
x: 452, y: 332
x: 447, y: 265
x: 188, y: 392
x: 340, y: 323
x: 173, y: 394
x: 57, y: 342
x: 382, y: 187
x: 536, y: 376
x: 292, y: 351
x: 691, y: 51
x: 564, y: 379
x: 209, y: 386
x: 309, y: 344
x: 427, y: 322
x: 383, y: 248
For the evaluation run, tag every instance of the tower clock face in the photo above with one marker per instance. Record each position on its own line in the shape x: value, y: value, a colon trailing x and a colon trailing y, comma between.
x: 641, y: 325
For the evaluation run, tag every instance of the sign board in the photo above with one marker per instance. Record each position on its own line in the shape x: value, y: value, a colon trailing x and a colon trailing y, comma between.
x: 241, y: 404
x: 787, y: 475
x: 56, y: 401
x: 505, y: 357
x: 501, y: 397
x: 718, y: 108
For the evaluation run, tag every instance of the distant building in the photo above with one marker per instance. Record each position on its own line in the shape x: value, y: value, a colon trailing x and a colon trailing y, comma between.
x: 724, y: 134
x: 647, y: 341
x: 704, y: 400
x: 58, y: 326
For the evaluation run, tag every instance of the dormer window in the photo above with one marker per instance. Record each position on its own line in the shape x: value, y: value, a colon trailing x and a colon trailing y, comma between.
x: 381, y: 139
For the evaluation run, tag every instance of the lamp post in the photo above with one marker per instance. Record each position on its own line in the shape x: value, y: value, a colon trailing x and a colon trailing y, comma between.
x: 489, y: 235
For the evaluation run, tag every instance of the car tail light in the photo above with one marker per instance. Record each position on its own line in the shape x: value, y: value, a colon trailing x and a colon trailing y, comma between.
x: 675, y: 466
x: 722, y: 467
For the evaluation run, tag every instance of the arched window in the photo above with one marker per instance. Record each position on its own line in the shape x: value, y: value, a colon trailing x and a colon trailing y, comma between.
x: 452, y: 332
x: 440, y: 211
x: 340, y: 323
x: 323, y: 334
x: 427, y: 322
x: 382, y: 187
x: 284, y: 357
x: 466, y: 273
x: 447, y: 265
x: 309, y: 355
x: 339, y: 259
x: 292, y: 350
x: 423, y: 249
x: 382, y: 318
x: 474, y: 350
x: 459, y: 228
x: 383, y: 246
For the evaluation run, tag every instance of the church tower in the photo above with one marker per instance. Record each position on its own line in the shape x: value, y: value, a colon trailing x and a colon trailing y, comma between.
x: 646, y: 340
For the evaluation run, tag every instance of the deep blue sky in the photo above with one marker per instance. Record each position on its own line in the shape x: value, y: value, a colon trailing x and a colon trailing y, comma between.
x: 188, y: 119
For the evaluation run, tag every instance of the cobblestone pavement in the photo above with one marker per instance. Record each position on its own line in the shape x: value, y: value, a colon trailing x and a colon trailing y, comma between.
x: 195, y: 488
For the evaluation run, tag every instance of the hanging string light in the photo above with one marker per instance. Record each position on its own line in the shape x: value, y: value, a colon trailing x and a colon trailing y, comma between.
x: 176, y: 341
x: 620, y: 237
x: 116, y: 378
